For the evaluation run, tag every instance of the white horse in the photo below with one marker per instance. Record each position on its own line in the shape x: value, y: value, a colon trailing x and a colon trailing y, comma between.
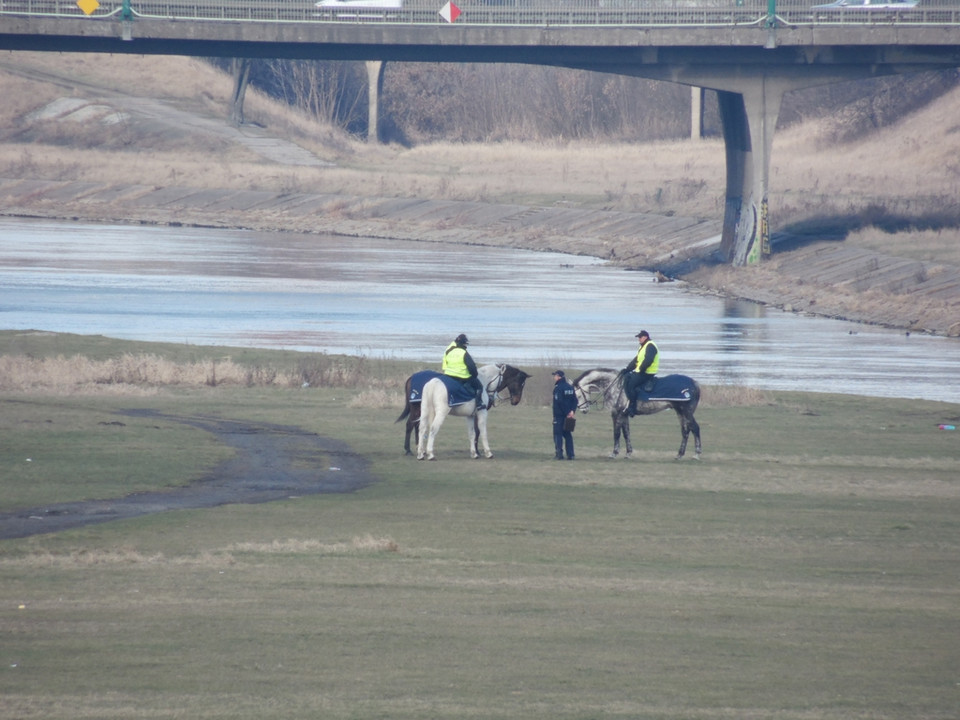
x: 494, y: 378
x: 434, y: 408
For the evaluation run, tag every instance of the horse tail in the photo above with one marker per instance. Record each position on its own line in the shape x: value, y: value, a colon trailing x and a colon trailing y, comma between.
x: 696, y: 395
x: 406, y: 394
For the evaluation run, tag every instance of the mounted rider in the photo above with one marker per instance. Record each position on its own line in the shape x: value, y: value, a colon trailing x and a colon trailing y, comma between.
x: 458, y: 364
x: 642, y: 370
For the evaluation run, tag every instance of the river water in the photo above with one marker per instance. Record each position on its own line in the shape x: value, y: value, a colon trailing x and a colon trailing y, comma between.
x: 407, y: 300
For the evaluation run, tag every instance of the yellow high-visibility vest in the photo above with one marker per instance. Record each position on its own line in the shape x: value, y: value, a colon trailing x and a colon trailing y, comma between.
x: 641, y: 352
x: 453, y: 362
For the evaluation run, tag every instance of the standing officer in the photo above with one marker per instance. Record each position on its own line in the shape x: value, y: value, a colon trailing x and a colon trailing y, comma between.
x: 564, y: 410
x: 642, y: 370
x: 457, y: 363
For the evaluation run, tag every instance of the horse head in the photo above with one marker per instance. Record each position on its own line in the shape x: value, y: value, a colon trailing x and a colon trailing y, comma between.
x: 513, y: 379
x: 598, y: 381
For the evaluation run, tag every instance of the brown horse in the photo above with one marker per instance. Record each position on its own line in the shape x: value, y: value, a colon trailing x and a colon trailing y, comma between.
x: 494, y: 378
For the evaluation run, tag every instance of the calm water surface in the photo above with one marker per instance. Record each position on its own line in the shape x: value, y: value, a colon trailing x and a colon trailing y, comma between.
x: 407, y: 300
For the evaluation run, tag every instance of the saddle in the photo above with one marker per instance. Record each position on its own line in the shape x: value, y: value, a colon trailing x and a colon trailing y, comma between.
x: 672, y: 388
x: 457, y: 392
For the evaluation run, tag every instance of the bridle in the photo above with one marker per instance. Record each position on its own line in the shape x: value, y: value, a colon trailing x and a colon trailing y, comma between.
x: 493, y: 387
x: 587, y: 402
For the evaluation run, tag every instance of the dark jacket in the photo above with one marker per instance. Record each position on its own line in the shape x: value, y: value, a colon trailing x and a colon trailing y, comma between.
x: 564, y: 398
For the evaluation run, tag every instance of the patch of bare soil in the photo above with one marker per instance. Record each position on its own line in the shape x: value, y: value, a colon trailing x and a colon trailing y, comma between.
x: 272, y: 462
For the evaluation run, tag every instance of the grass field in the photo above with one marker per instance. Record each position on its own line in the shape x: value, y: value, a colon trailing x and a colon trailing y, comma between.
x: 806, y: 568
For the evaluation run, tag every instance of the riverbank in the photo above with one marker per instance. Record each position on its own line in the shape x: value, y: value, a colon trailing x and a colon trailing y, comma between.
x: 117, y: 140
x: 820, y: 277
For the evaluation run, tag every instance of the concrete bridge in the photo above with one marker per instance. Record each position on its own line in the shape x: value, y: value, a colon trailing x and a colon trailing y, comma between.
x: 750, y: 51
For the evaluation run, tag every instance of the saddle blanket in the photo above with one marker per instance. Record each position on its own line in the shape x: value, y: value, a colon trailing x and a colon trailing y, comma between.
x: 457, y: 392
x: 675, y: 388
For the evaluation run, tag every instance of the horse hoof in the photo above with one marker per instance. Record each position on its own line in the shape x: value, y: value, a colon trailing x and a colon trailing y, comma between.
x: 612, y: 456
x: 488, y: 455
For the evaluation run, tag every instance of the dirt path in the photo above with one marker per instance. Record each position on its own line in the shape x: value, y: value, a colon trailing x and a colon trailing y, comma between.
x: 272, y: 462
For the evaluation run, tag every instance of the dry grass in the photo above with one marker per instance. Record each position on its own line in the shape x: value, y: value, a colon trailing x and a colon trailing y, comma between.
x: 717, y: 396
x: 935, y: 246
x: 79, y: 374
x: 364, y: 543
x: 909, y: 168
x: 138, y: 374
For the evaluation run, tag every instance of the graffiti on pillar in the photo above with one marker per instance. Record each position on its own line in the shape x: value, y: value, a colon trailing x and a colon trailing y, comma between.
x: 764, y: 228
x: 746, y: 245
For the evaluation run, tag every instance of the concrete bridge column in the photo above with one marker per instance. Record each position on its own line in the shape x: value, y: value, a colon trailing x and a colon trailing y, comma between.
x: 374, y: 88
x: 749, y: 118
x: 696, y: 112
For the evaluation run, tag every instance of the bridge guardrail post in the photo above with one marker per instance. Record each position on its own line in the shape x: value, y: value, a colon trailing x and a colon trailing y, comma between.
x: 126, y: 21
x: 771, y: 25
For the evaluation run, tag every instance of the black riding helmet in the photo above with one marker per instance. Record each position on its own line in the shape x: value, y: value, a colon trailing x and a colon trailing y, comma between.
x: 462, y: 340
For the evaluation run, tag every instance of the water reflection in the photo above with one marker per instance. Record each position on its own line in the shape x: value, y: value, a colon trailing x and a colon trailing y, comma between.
x: 408, y: 300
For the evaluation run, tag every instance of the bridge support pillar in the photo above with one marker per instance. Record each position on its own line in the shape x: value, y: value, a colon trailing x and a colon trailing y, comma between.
x: 749, y: 118
x: 374, y: 88
x: 696, y: 113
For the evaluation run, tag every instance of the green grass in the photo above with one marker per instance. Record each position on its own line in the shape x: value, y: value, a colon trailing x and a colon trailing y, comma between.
x: 806, y: 568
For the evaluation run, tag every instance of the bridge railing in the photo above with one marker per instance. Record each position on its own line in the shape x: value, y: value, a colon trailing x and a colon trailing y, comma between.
x: 638, y: 13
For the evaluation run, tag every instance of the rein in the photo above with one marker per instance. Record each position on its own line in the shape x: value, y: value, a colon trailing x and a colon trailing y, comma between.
x: 587, y: 398
x: 495, y: 384
x: 606, y: 393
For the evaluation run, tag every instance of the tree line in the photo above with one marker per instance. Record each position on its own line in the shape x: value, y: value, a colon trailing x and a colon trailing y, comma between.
x: 477, y: 102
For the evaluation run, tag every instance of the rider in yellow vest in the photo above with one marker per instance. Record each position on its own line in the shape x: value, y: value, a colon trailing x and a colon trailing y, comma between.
x: 642, y: 370
x: 457, y: 363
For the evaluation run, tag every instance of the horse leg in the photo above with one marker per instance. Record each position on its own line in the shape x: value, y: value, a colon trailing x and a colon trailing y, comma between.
x: 695, y: 427
x: 439, y: 415
x: 413, y: 426
x: 421, y: 440
x: 482, y: 426
x: 626, y: 435
x: 426, y: 420
x: 472, y: 436
x: 408, y: 413
x: 684, y: 434
x: 687, y: 423
x: 617, y: 429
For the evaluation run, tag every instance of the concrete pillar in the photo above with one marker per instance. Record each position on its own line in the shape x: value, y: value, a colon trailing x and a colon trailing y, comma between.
x: 749, y: 119
x: 749, y: 99
x: 696, y: 113
x: 374, y: 88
